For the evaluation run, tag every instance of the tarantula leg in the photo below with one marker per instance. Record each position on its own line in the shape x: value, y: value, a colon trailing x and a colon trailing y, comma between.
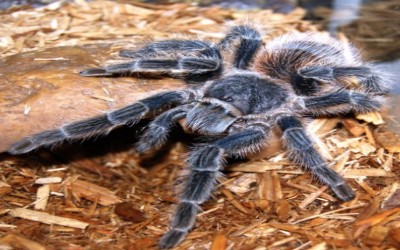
x: 174, y: 67
x: 163, y: 48
x: 341, y: 102
x: 367, y: 78
x: 158, y: 130
x: 302, y: 152
x: 204, y: 165
x: 304, y: 86
x: 102, y: 124
x: 249, y: 42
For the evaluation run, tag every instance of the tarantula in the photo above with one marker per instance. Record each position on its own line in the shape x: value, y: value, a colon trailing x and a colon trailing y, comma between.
x: 236, y: 103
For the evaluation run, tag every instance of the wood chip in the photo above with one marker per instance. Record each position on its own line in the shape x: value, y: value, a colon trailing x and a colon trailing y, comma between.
x: 234, y: 201
x: 371, y: 117
x: 389, y: 140
x: 42, y: 197
x: 48, y: 180
x: 220, y: 242
x: 4, y: 188
x: 47, y: 218
x: 20, y: 242
x: 371, y: 172
x: 91, y: 192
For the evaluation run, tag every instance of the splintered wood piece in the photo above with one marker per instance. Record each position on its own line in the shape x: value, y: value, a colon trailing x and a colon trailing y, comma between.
x: 310, y: 198
x: 91, y: 192
x: 369, y: 135
x: 319, y: 246
x: 256, y: 167
x: 321, y: 126
x: 366, y: 187
x: 269, y: 186
x: 353, y: 126
x: 376, y: 235
x: 394, y: 233
x: 234, y: 201
x: 389, y: 140
x: 4, y: 188
x: 373, y: 117
x: 220, y: 242
x: 48, y: 180
x: 240, y: 185
x: 20, y: 242
x: 42, y: 197
x: 47, y: 218
x: 282, y: 242
x: 249, y: 227
x: 327, y: 213
x: 308, y: 189
x: 375, y: 219
x: 371, y: 172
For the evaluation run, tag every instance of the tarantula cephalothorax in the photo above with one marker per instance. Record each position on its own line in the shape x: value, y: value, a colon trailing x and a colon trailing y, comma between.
x: 261, y: 88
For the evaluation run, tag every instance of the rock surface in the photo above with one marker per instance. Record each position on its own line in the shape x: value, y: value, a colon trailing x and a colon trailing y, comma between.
x: 43, y: 90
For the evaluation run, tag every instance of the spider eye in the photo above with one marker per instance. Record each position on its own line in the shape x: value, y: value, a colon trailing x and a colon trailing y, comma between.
x: 227, y: 99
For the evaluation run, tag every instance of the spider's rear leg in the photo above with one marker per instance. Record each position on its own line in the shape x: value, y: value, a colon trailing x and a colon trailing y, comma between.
x: 302, y: 152
x: 158, y: 130
x: 102, y: 124
x: 343, y: 101
x: 163, y: 48
x: 249, y: 42
x: 176, y: 67
x: 204, y: 165
x: 194, y: 61
x: 368, y: 78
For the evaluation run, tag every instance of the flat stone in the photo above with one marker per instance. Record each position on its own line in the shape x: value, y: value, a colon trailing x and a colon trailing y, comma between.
x: 43, y: 90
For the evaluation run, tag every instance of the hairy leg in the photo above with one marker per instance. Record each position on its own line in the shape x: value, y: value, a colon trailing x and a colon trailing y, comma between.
x: 102, y: 124
x: 158, y: 130
x: 194, y: 61
x: 343, y: 101
x: 176, y: 67
x: 249, y: 42
x: 302, y: 152
x: 368, y: 79
x: 205, y: 164
x: 163, y: 48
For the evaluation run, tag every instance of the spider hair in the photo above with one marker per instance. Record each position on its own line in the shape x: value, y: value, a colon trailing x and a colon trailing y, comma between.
x: 236, y: 103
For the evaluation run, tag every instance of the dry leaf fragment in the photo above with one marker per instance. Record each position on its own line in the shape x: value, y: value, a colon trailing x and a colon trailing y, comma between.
x: 128, y: 212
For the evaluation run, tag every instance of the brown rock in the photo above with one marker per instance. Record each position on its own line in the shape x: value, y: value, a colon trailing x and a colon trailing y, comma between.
x: 43, y: 90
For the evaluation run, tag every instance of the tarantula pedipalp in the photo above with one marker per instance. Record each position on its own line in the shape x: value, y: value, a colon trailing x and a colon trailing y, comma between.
x: 239, y: 102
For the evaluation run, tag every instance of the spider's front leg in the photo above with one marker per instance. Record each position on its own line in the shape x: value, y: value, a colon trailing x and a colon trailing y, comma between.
x: 302, y: 152
x: 158, y: 130
x: 205, y: 164
x: 102, y: 124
